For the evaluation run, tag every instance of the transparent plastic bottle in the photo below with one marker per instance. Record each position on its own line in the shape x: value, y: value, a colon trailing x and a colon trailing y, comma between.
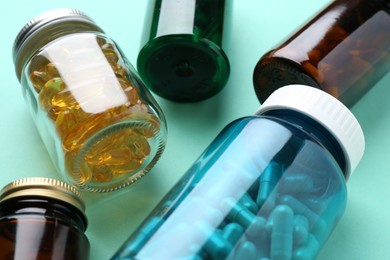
x: 270, y: 186
x: 344, y: 50
x: 41, y: 219
x: 100, y: 124
x: 181, y: 57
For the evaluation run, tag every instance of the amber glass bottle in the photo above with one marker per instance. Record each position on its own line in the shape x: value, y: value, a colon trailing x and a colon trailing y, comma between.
x: 41, y: 219
x: 344, y: 50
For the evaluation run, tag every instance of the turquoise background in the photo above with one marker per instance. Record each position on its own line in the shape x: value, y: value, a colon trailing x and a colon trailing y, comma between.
x: 252, y: 28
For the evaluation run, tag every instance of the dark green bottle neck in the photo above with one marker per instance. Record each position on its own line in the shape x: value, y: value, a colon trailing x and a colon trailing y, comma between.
x: 314, y: 129
x: 44, y: 207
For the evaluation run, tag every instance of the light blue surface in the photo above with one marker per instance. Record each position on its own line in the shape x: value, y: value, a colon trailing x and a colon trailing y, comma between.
x: 253, y: 28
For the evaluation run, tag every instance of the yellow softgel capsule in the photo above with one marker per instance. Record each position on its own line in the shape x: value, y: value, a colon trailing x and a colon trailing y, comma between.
x: 51, y: 70
x: 38, y: 80
x: 130, y: 91
x: 49, y: 90
x: 139, y: 146
x: 64, y: 100
x: 66, y: 121
x: 85, y: 130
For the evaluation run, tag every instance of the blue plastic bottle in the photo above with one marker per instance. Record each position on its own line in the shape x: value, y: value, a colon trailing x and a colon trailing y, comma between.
x: 270, y: 186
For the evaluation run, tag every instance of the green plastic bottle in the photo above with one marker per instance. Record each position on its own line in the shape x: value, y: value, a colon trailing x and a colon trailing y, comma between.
x: 181, y: 58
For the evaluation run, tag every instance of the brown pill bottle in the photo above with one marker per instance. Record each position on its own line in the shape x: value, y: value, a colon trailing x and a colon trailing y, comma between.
x: 344, y: 50
x: 42, y: 218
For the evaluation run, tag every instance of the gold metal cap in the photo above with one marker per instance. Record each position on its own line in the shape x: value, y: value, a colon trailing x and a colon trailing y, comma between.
x: 43, y: 187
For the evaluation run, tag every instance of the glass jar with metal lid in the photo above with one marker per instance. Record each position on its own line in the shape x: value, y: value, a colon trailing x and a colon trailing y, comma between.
x: 42, y: 218
x: 101, y: 126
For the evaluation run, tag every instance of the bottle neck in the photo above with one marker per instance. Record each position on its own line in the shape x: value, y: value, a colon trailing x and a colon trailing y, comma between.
x: 316, y: 131
x: 33, y: 38
x: 46, y: 207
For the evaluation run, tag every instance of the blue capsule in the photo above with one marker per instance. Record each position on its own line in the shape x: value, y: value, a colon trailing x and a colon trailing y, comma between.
x: 297, y: 183
x: 301, y: 230
x: 245, y: 250
x: 268, y: 180
x: 238, y: 213
x: 282, y: 218
x: 308, y: 251
x: 232, y: 232
x: 249, y: 203
x: 217, y: 246
x: 257, y: 229
x: 317, y: 225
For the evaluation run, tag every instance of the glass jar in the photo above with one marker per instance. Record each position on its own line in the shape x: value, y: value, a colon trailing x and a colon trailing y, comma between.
x: 344, y: 50
x: 270, y: 186
x: 40, y: 219
x: 101, y: 126
x: 181, y: 57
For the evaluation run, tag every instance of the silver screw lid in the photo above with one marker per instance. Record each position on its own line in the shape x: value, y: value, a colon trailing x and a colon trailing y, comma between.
x: 45, y: 28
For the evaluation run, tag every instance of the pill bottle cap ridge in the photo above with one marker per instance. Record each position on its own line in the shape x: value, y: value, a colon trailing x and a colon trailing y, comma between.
x: 326, y: 110
x: 43, y: 187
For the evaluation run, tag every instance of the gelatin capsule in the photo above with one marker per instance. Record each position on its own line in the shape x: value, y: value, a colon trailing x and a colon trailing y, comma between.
x: 313, y: 202
x: 38, y: 80
x: 113, y: 157
x: 317, y: 225
x: 85, y: 129
x: 102, y: 174
x: 50, y: 89
x: 65, y: 122
x: 238, y: 213
x: 282, y: 233
x: 268, y: 180
x: 257, y: 229
x: 246, y: 250
x: 232, y: 232
x: 217, y: 246
x: 85, y: 172
x: 301, y: 229
x: 82, y: 173
x: 249, y: 203
x: 128, y: 166
x: 38, y: 63
x: 307, y: 251
x: 130, y: 90
x: 138, y: 145
x: 296, y: 183
x: 150, y: 124
x: 64, y: 100
x: 51, y: 70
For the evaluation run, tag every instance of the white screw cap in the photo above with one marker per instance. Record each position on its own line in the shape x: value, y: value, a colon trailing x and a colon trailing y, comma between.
x: 326, y: 110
